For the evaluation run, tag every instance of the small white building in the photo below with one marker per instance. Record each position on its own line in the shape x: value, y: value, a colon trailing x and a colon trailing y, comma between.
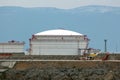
x: 12, y: 47
x: 58, y: 42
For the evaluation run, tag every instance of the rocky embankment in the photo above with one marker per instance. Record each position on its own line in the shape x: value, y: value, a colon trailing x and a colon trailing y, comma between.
x: 63, y: 70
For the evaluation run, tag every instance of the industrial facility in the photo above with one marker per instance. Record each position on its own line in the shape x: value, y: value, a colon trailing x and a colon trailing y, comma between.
x: 52, y: 47
x: 50, y: 42
x: 58, y: 42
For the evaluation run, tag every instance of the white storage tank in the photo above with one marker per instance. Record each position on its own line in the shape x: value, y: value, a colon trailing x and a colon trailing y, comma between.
x: 12, y: 47
x: 58, y: 42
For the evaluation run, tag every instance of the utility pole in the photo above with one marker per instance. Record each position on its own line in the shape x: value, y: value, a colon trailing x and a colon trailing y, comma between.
x: 105, y: 45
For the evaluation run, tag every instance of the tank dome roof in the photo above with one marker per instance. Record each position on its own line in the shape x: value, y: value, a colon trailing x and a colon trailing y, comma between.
x: 58, y: 32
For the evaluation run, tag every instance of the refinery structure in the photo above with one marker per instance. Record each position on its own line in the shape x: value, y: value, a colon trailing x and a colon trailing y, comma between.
x: 50, y: 42
x: 58, y: 42
x: 12, y: 47
x: 52, y: 48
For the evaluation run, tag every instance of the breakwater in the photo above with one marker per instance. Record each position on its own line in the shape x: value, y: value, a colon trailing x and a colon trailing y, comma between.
x: 63, y: 70
x: 59, y: 68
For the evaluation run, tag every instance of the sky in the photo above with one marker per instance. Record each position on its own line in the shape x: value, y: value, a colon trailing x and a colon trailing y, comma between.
x: 63, y: 4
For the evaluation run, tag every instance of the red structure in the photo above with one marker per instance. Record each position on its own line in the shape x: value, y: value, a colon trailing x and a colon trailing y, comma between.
x: 106, y: 56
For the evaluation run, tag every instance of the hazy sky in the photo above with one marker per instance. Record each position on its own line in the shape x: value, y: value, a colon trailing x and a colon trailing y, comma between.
x: 65, y: 4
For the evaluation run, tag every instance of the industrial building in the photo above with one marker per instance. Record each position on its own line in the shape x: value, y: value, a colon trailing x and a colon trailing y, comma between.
x: 12, y: 47
x: 58, y: 42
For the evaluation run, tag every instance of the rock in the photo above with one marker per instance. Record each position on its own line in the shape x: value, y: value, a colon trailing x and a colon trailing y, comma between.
x: 109, y: 76
x: 104, y: 71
